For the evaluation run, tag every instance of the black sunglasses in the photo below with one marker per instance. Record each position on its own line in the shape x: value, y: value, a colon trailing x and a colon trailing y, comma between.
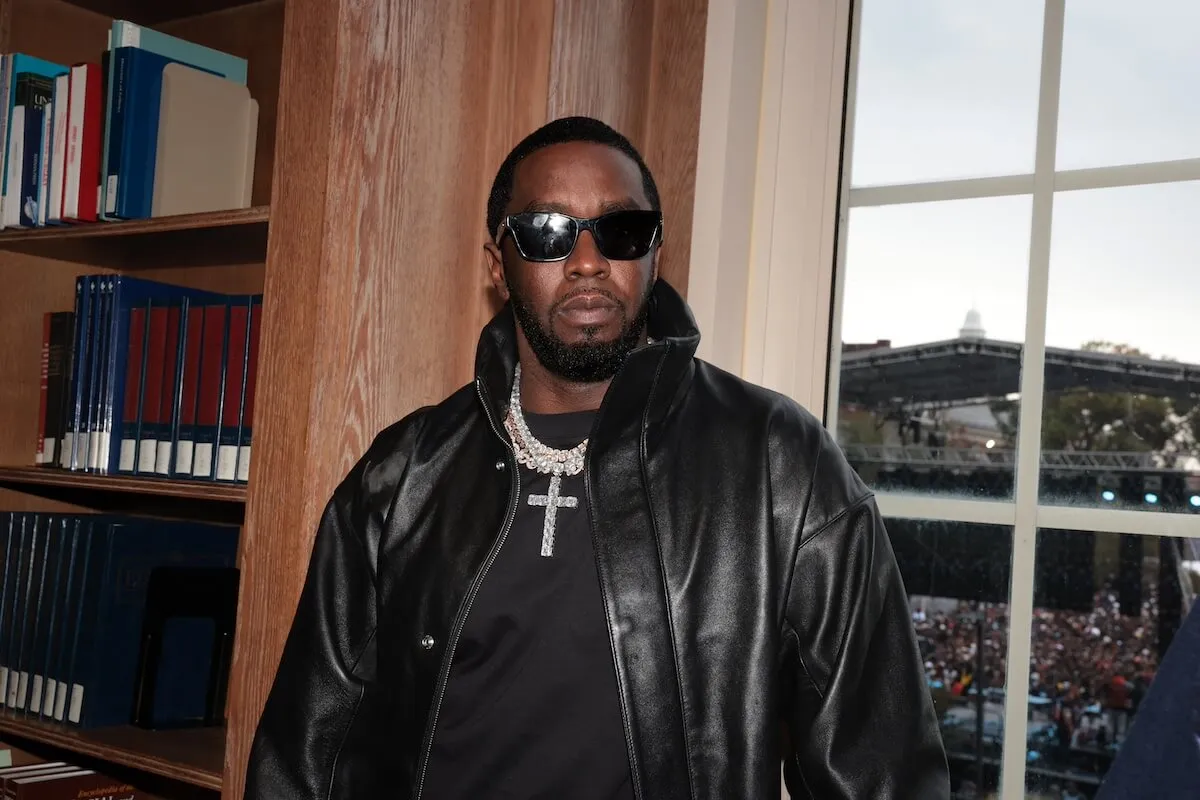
x: 549, y: 236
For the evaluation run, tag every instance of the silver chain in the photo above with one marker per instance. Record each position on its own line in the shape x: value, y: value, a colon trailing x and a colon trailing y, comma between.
x: 529, y: 450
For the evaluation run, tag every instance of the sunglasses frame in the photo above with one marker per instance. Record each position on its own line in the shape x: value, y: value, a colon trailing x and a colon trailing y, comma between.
x: 581, y: 224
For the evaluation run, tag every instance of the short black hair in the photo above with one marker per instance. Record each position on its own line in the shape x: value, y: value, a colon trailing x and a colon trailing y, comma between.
x: 560, y: 131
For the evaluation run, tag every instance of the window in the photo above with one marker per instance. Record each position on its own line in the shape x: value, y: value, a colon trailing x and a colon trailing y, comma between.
x: 1012, y: 354
x: 957, y: 576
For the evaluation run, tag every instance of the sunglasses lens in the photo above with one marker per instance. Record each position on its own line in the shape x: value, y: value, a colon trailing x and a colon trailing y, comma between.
x: 626, y: 235
x: 543, y: 236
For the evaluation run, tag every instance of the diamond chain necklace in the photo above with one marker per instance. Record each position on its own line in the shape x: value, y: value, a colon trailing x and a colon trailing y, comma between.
x: 531, y: 452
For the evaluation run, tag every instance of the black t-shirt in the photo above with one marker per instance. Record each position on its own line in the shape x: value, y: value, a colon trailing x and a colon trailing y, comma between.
x: 531, y: 708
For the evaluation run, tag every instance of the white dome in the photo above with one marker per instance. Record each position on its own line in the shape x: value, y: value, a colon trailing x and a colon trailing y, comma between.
x: 973, y: 326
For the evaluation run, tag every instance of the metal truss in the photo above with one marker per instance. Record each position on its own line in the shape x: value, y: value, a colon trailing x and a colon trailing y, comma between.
x: 978, y: 458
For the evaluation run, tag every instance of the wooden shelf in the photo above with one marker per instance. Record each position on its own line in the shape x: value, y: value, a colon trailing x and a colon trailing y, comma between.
x: 161, y: 487
x: 257, y: 215
x: 216, y: 237
x: 194, y: 756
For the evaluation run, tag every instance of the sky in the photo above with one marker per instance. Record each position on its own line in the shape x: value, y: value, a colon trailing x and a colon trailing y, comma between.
x: 949, y: 89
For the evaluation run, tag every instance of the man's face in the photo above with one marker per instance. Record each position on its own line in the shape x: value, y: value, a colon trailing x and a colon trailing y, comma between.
x: 580, y: 316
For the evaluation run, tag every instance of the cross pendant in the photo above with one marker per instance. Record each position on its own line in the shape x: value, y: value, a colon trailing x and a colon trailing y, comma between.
x: 553, y: 502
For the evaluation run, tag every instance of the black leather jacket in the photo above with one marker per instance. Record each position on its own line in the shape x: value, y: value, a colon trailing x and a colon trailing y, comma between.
x: 751, y: 592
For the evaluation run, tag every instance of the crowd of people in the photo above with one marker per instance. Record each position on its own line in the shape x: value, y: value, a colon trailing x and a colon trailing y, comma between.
x: 1092, y: 666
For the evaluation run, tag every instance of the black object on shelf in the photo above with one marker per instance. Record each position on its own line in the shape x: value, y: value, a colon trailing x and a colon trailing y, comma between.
x: 174, y: 592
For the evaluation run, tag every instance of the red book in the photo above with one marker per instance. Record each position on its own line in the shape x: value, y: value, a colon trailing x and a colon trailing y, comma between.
x: 85, y: 136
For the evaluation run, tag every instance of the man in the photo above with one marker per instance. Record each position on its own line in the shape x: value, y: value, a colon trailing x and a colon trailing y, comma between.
x: 605, y: 569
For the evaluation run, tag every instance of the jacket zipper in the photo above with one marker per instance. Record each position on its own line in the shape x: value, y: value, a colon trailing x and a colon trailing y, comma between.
x: 456, y: 631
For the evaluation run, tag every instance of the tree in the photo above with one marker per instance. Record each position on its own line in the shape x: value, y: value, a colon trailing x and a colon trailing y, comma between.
x: 1083, y: 420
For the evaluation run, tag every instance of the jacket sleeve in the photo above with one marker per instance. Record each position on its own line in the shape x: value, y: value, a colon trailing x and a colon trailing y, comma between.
x: 311, y: 741
x: 860, y: 719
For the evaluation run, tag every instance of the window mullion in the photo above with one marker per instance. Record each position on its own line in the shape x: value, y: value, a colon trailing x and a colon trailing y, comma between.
x: 1029, y: 444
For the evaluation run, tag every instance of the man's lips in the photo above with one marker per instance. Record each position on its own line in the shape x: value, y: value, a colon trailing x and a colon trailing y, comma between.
x: 588, y: 308
x: 587, y: 301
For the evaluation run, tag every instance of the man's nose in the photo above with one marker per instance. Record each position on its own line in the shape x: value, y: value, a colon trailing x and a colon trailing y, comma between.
x: 586, y: 260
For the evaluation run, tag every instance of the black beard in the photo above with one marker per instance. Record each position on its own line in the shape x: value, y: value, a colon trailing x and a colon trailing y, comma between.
x: 585, y: 362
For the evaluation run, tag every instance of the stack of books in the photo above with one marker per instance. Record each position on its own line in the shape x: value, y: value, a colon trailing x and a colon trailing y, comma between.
x: 25, y: 776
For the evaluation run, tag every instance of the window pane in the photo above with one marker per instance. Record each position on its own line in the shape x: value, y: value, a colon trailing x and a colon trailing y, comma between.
x: 1105, y: 609
x: 933, y: 318
x: 1129, y: 74
x: 957, y: 578
x: 946, y: 89
x: 1123, y: 359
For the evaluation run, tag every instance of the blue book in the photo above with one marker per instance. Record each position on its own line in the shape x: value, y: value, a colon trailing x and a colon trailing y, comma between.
x: 31, y: 170
x: 74, y: 448
x: 108, y: 640
x: 9, y: 548
x: 66, y: 600
x: 134, y: 144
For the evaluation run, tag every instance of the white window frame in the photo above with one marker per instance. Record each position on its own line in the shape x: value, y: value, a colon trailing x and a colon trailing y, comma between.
x: 772, y: 202
x: 1023, y: 513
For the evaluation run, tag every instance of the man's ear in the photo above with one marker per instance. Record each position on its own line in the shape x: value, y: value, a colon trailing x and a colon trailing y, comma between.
x: 494, y: 262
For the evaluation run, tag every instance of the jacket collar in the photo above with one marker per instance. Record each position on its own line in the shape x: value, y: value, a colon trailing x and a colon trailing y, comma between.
x: 646, y: 386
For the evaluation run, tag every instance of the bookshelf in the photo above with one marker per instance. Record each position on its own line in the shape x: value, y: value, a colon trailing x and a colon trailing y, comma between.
x: 380, y: 126
x: 223, y: 251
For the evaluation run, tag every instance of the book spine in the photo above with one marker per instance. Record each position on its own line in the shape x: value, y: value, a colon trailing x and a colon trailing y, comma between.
x: 233, y: 392
x: 135, y: 387
x: 208, y: 403
x: 73, y: 554
x: 171, y: 364
x: 10, y: 550
x: 45, y: 153
x: 62, y: 331
x: 120, y: 105
x: 44, y: 392
x: 185, y: 438
x: 96, y: 393
x: 247, y: 417
x: 75, y: 453
x: 6, y: 104
x: 58, y: 155
x: 152, y: 377
x: 31, y: 167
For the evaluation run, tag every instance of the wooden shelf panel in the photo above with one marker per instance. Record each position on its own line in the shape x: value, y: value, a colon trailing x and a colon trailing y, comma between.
x: 235, y: 237
x: 184, y: 490
x: 256, y: 215
x: 194, y: 756
x: 151, y: 12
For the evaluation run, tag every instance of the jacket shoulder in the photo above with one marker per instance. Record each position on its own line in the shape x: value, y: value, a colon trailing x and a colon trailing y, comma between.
x: 377, y: 474
x: 809, y: 473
